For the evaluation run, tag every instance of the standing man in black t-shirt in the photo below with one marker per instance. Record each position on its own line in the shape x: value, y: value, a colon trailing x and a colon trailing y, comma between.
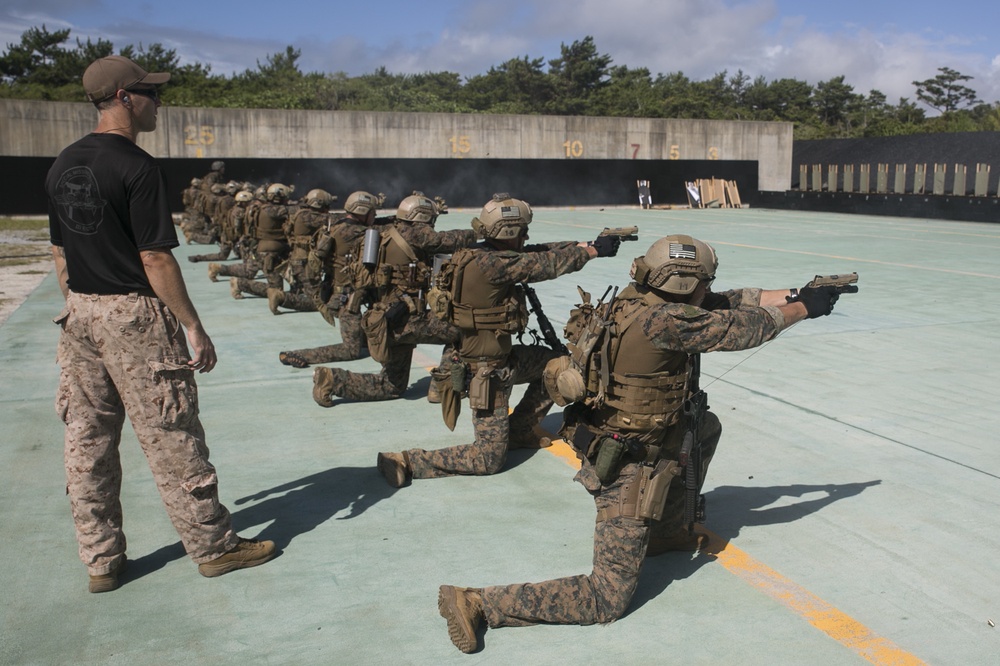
x: 122, y: 349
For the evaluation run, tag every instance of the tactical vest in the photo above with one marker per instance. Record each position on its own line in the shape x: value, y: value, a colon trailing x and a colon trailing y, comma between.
x: 270, y: 228
x: 632, y: 386
x: 401, y: 267
x: 346, y: 234
x: 488, y: 314
x: 223, y: 205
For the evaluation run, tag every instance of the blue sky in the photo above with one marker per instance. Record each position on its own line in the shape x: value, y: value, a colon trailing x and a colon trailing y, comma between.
x: 875, y: 44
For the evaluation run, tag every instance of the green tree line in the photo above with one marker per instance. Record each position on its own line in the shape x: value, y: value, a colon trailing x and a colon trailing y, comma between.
x: 581, y: 81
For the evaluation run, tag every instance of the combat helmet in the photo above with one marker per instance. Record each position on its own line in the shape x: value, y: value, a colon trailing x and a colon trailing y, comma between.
x: 278, y: 192
x: 232, y: 187
x: 361, y: 203
x: 503, y: 218
x: 675, y: 265
x: 319, y: 199
x: 244, y: 196
x: 417, y: 208
x: 218, y: 165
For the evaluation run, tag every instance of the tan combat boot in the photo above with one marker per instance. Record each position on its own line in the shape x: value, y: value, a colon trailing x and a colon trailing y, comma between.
x: 395, y: 467
x: 109, y: 581
x: 328, y: 316
x: 679, y: 542
x: 535, y: 438
x: 247, y: 553
x: 275, y: 297
x: 213, y: 272
x: 292, y: 359
x: 234, y: 288
x: 328, y: 383
x: 462, y: 608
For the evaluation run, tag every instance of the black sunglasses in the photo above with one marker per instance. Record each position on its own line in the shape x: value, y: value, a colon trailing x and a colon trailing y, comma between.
x: 151, y: 93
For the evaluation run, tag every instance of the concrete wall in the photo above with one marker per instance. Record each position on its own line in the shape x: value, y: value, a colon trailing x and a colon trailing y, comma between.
x: 42, y: 129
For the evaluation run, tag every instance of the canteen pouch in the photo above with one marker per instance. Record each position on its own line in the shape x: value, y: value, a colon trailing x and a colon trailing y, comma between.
x: 609, y: 454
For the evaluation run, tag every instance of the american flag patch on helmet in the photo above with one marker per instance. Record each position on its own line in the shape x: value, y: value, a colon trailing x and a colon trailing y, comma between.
x: 683, y: 251
x: 510, y: 211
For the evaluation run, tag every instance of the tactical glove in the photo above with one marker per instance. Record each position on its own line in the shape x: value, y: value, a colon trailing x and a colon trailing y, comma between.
x: 606, y: 246
x: 819, y: 301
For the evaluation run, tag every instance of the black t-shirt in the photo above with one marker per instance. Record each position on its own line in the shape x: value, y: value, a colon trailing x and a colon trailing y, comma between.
x: 107, y: 201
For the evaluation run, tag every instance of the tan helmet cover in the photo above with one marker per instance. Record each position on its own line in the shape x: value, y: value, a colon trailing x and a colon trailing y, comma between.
x: 244, y: 196
x: 278, y: 192
x: 318, y: 199
x: 676, y: 264
x: 563, y: 381
x: 416, y: 208
x: 503, y: 218
x: 361, y: 203
x: 232, y: 187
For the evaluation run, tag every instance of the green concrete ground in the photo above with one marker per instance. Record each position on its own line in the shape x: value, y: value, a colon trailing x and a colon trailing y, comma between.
x: 855, y: 489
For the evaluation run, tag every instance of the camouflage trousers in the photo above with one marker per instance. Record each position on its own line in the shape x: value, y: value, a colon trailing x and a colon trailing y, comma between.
x: 619, y: 550
x: 251, y: 286
x: 353, y: 344
x: 225, y: 249
x: 248, y: 270
x: 672, y: 522
x: 488, y: 454
x: 207, y: 237
x: 270, y: 261
x: 128, y: 355
x: 394, y: 378
x: 604, y: 595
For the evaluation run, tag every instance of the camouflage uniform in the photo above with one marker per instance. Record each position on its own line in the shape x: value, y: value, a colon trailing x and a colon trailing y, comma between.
x: 339, y: 243
x: 407, y: 285
x: 659, y: 340
x: 224, y: 204
x: 196, y: 220
x: 128, y: 353
x: 303, y: 293
x: 244, y: 230
x: 272, y: 250
x: 498, y: 273
x: 208, y: 233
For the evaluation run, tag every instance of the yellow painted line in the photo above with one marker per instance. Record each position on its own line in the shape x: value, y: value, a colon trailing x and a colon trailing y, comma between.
x: 818, y: 613
x: 832, y: 622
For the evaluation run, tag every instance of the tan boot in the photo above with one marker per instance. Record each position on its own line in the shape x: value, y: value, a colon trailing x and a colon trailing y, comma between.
x: 536, y: 438
x: 234, y: 288
x: 462, y: 608
x: 109, y: 581
x: 679, y: 542
x: 275, y: 297
x: 247, y: 553
x: 395, y: 467
x: 328, y: 383
x: 213, y: 272
x: 328, y: 316
x: 292, y: 359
